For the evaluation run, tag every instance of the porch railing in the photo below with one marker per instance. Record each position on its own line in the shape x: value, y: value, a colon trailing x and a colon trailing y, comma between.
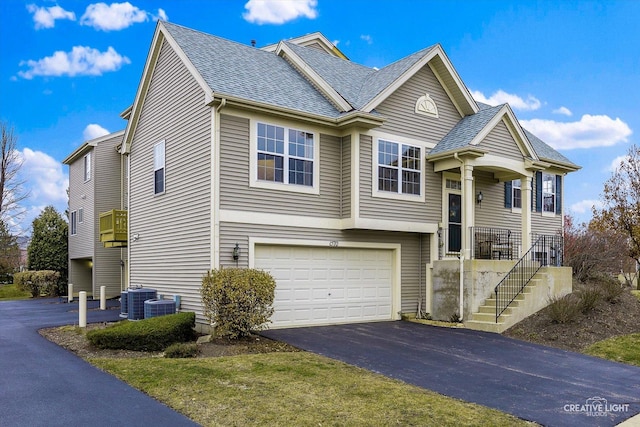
x: 546, y: 250
x: 495, y: 243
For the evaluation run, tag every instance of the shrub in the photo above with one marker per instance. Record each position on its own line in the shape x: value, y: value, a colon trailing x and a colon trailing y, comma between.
x: 610, y: 288
x: 564, y: 309
x: 589, y: 298
x: 238, y: 300
x: 181, y: 350
x: 154, y: 334
x: 42, y: 282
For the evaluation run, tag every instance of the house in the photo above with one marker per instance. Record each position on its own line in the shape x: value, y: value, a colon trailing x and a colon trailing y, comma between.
x: 95, y: 186
x: 368, y: 194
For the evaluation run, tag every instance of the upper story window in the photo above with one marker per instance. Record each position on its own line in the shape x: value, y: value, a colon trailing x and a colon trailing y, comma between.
x: 73, y: 223
x: 399, y: 168
x: 87, y: 167
x: 516, y: 194
x: 548, y: 193
x: 285, y: 155
x: 158, y: 168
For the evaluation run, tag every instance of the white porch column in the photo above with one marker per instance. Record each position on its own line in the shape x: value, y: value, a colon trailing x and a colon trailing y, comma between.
x: 526, y: 197
x: 467, y: 207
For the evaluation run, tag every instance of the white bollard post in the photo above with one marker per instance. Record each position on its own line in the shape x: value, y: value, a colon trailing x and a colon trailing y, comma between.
x: 103, y: 297
x: 82, y: 321
x: 70, y: 292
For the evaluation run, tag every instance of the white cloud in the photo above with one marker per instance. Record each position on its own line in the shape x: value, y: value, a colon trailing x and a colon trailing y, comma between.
x: 45, y: 17
x: 93, y: 131
x: 115, y: 16
x: 516, y: 102
x: 563, y: 110
x: 367, y: 38
x: 46, y: 181
x: 585, y: 206
x: 82, y: 60
x: 279, y: 11
x: 162, y: 16
x: 590, y: 131
x: 615, y: 163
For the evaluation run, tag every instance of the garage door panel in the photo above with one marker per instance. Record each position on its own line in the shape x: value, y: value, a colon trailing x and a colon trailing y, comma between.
x: 328, y: 285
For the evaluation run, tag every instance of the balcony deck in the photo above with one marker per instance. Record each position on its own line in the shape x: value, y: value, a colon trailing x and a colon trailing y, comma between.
x: 113, y: 228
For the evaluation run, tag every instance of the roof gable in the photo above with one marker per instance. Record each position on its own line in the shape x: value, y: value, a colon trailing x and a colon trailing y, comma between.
x: 315, y: 40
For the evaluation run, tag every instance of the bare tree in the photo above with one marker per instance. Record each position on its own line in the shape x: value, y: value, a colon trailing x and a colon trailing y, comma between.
x: 12, y: 191
x: 621, y: 203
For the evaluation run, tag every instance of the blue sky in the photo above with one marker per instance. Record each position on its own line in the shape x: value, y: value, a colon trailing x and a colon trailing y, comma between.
x: 570, y: 70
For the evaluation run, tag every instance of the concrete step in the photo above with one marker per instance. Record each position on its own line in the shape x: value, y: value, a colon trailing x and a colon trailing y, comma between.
x: 492, y: 326
x: 489, y: 317
x: 491, y: 309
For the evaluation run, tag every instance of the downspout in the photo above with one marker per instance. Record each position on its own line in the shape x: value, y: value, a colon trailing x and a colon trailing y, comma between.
x: 461, y: 256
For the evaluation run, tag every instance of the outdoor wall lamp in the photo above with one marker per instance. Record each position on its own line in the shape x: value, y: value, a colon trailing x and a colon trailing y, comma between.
x: 479, y: 198
x: 236, y: 252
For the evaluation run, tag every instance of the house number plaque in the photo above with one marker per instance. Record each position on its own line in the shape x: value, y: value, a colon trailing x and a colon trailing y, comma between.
x: 333, y: 244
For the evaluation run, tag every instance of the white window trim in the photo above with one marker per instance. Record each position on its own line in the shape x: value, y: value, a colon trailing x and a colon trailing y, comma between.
x: 87, y: 170
x: 555, y: 196
x: 164, y: 168
x: 513, y: 189
x: 375, y: 192
x: 80, y: 215
x: 281, y: 186
x: 73, y: 218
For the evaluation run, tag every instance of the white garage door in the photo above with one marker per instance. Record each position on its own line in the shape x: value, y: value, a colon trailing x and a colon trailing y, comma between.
x: 317, y: 285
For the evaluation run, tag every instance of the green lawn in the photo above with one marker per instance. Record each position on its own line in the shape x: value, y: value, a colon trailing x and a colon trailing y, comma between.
x: 11, y: 292
x: 625, y: 349
x: 293, y: 389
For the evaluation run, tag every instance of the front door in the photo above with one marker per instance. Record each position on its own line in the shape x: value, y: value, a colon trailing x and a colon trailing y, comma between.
x: 454, y: 243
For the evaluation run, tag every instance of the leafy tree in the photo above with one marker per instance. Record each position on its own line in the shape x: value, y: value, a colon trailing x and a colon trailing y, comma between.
x: 9, y: 252
x: 620, y: 210
x: 48, y: 249
x: 12, y: 192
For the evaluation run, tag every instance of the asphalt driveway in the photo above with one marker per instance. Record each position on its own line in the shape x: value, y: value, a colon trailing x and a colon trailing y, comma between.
x: 42, y: 384
x: 549, y: 386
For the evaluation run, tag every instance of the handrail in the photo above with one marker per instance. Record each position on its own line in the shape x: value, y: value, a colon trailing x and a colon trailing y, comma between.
x: 547, y: 249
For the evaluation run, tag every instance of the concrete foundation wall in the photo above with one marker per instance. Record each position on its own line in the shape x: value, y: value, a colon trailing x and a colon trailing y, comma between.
x: 480, y: 278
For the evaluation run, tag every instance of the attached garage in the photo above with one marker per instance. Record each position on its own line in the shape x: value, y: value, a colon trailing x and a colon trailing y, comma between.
x: 326, y: 285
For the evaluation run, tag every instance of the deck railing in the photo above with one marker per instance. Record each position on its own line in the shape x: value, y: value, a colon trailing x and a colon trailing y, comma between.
x: 495, y: 243
x: 113, y: 226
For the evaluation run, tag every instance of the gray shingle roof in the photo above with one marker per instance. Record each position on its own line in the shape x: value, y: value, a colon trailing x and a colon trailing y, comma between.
x: 465, y: 130
x: 239, y: 70
x: 544, y: 151
x: 246, y: 72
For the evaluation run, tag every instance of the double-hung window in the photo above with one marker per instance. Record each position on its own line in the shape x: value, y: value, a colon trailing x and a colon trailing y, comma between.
x: 548, y: 193
x: 158, y: 168
x: 399, y: 168
x: 516, y: 194
x: 87, y: 167
x: 73, y: 220
x: 80, y: 215
x: 285, y: 155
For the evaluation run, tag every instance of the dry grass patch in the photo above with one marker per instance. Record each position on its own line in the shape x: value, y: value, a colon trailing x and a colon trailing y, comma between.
x: 625, y: 349
x: 293, y: 389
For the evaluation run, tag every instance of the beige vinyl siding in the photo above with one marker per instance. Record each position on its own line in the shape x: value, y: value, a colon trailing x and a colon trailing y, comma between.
x: 399, y: 210
x: 399, y: 109
x: 491, y: 212
x: 412, y: 267
x: 82, y: 195
x: 236, y: 194
x: 346, y: 177
x: 499, y: 142
x: 174, y: 246
x: 543, y: 224
x: 106, y: 262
